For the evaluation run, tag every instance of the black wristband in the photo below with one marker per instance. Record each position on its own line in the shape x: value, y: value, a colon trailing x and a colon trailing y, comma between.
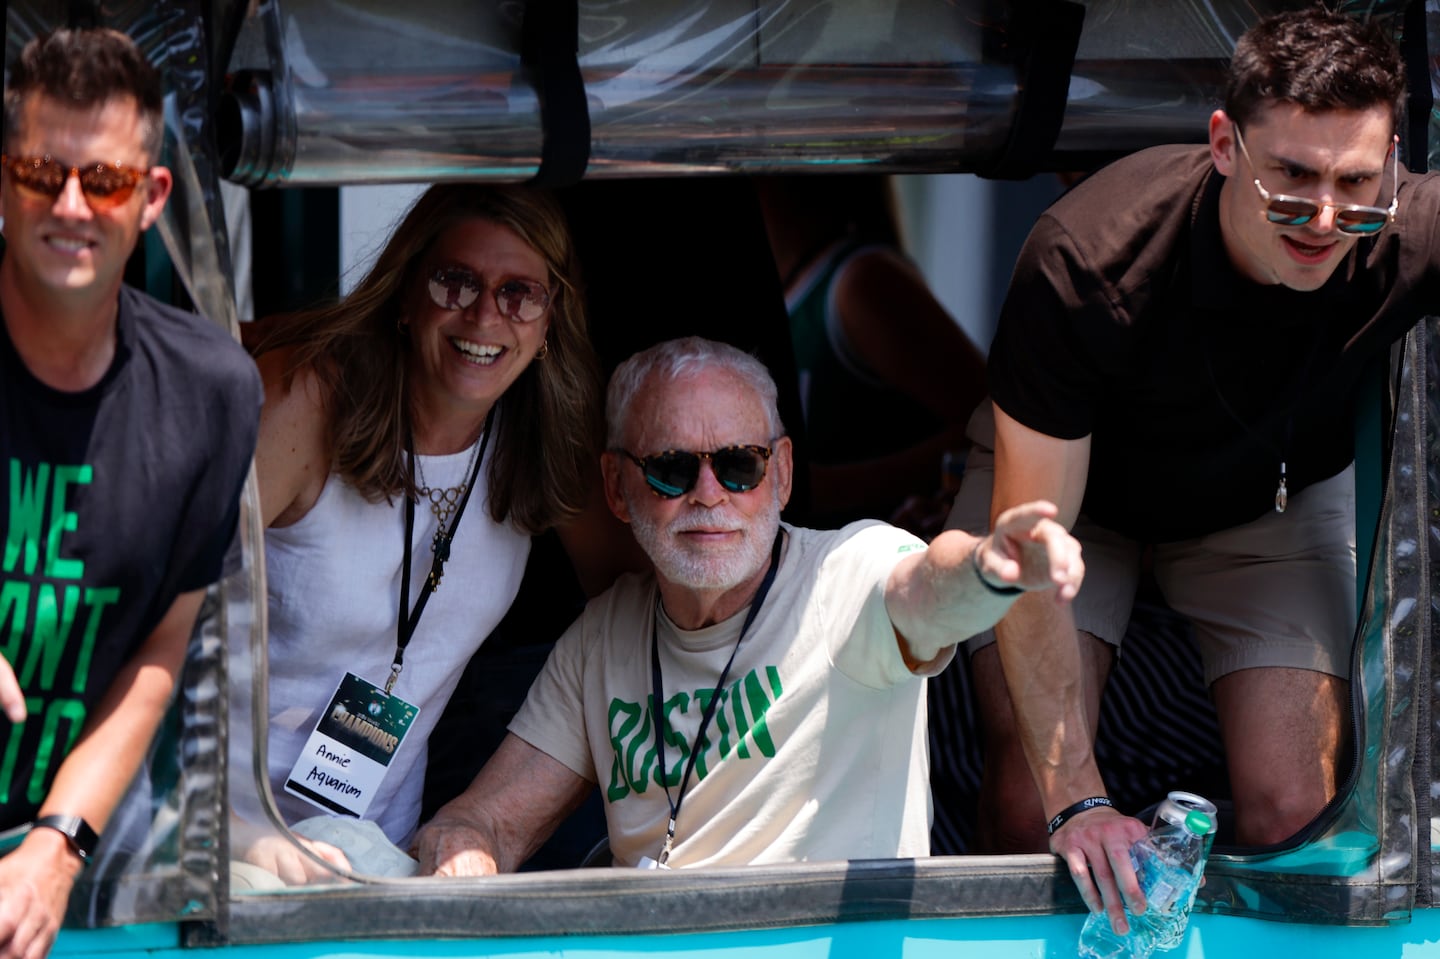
x: 980, y: 575
x: 1075, y: 809
x: 77, y: 831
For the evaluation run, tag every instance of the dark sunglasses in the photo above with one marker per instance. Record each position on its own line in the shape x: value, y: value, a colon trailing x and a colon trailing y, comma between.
x: 452, y: 288
x: 105, y: 185
x: 675, y: 472
x: 1350, y: 218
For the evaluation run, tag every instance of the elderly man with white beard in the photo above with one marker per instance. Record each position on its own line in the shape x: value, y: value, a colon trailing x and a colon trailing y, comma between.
x: 760, y: 697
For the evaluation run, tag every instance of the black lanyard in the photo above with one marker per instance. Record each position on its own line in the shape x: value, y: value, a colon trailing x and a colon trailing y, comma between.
x: 405, y: 627
x: 659, y: 702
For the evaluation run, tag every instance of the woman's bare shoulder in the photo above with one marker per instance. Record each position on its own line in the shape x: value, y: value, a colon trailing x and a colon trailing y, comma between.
x: 292, y: 459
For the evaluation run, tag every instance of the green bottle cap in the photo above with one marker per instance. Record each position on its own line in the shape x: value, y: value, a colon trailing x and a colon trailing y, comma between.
x: 1197, y: 822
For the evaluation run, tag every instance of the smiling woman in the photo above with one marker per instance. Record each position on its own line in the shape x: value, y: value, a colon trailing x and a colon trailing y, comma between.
x: 457, y: 378
x: 467, y: 349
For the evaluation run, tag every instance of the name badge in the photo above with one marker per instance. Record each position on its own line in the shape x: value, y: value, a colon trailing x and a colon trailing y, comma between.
x: 346, y: 757
x: 647, y: 863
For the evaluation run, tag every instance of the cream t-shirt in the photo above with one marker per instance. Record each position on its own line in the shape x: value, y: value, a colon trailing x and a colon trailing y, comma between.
x: 817, y: 750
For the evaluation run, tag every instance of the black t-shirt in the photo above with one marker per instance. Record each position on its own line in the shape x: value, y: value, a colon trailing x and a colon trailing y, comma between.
x: 1126, y: 321
x: 113, y: 501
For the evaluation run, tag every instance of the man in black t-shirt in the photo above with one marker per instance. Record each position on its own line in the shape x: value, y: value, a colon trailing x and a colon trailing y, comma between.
x: 1176, y: 366
x: 126, y: 431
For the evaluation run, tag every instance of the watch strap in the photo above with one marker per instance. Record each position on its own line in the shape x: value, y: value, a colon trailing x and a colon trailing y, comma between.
x: 83, y: 839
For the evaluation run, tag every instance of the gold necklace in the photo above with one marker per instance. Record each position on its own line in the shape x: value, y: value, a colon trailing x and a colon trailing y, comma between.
x: 444, y: 499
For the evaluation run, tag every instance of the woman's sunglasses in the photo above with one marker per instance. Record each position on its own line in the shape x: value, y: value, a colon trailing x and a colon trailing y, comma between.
x: 675, y: 472
x: 1350, y: 218
x: 452, y: 288
x: 105, y: 185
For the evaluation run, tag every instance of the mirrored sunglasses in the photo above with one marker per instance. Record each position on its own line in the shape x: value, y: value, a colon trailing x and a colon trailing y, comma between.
x: 105, y: 185
x: 1350, y: 218
x: 675, y: 472
x: 452, y: 288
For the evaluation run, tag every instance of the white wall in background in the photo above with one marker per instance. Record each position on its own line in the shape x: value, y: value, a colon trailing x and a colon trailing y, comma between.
x: 368, y: 214
x: 946, y: 219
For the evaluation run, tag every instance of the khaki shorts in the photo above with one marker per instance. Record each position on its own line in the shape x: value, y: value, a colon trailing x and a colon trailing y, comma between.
x: 1277, y: 591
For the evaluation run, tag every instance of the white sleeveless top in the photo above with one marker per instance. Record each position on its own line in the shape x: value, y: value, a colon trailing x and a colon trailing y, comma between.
x: 334, y: 594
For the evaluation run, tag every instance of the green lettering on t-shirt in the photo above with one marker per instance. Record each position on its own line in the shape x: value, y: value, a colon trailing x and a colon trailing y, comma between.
x: 759, y: 705
x: 97, y: 599
x: 632, y: 737
x: 735, y: 701
x: 60, y: 710
x: 619, y: 786
x: 64, y: 521
x: 27, y: 514
x: 53, y: 622
x: 749, y: 691
x: 721, y: 723
x: 702, y: 749
x: 640, y: 753
x: 674, y: 767
x: 15, y: 610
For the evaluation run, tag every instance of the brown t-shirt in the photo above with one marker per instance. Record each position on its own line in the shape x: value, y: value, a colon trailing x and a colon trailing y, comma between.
x: 1125, y: 321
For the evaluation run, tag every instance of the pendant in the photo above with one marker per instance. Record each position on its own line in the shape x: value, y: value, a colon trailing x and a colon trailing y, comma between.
x: 669, y: 843
x: 1281, y: 496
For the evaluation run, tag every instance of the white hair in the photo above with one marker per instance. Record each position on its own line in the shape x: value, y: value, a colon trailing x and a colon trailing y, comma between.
x: 674, y: 359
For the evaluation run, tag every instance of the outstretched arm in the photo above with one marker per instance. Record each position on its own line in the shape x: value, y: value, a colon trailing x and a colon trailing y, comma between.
x: 36, y: 879
x: 1040, y: 654
x: 515, y: 802
x: 962, y: 584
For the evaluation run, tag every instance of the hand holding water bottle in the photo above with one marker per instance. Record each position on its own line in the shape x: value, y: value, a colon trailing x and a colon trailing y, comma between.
x: 1168, y: 861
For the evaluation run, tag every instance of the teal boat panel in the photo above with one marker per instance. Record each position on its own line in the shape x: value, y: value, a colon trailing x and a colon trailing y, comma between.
x: 1016, y: 937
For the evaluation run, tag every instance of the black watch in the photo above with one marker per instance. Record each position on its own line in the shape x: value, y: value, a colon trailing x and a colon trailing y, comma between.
x: 77, y: 831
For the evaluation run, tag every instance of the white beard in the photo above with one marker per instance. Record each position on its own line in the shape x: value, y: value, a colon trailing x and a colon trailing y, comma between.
x: 710, y: 567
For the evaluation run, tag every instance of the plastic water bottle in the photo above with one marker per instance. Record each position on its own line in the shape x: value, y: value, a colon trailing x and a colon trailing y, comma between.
x: 1175, y: 809
x: 1099, y: 941
x: 1168, y: 861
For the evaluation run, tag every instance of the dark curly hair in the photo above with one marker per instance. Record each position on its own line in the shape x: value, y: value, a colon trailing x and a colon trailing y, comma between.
x: 1317, y: 60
